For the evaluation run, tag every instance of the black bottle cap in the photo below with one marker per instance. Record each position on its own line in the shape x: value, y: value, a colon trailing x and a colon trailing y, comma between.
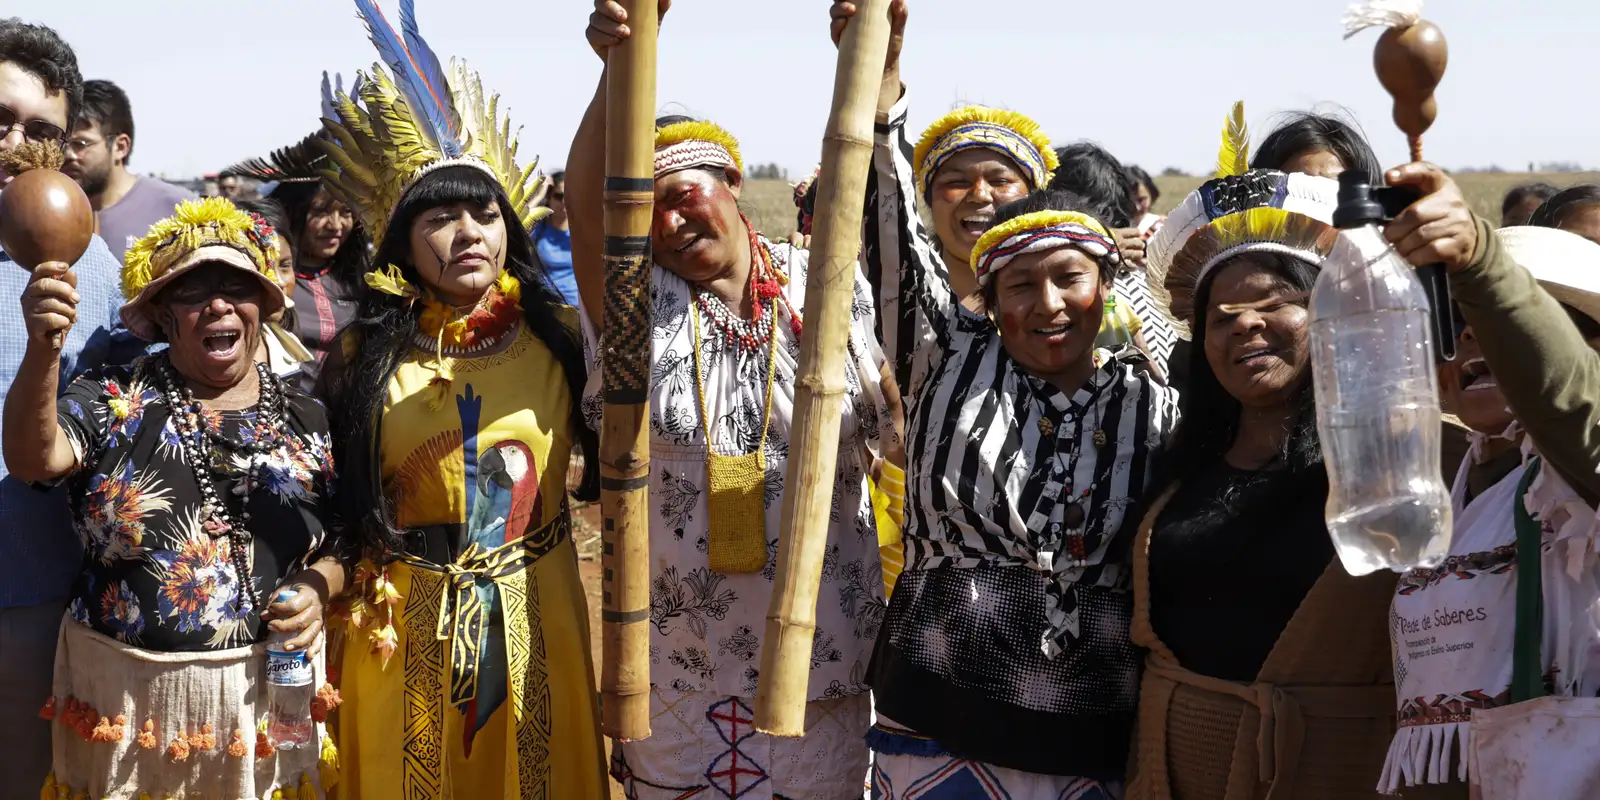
x: 1357, y: 206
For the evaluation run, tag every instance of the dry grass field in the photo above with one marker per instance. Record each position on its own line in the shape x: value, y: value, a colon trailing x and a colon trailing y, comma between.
x: 770, y: 204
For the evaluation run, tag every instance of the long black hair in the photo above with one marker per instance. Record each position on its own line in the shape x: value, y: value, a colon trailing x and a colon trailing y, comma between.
x: 350, y: 263
x: 1303, y: 131
x: 1210, y: 418
x: 385, y: 330
x: 1554, y: 211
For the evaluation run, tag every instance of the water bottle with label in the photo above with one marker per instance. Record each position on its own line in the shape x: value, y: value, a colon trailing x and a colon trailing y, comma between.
x: 289, y: 689
x: 1372, y: 356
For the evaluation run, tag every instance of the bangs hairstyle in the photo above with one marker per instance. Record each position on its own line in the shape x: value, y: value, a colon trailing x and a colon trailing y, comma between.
x: 387, y: 325
x: 1046, y: 200
x: 1210, y: 416
x: 1304, y: 131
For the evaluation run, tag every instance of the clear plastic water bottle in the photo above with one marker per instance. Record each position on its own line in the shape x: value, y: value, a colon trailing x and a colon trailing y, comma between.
x: 1377, y: 398
x: 289, y: 690
x: 1113, y: 335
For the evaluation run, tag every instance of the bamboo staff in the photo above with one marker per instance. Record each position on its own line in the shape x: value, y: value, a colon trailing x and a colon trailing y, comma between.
x: 624, y: 435
x: 820, y: 390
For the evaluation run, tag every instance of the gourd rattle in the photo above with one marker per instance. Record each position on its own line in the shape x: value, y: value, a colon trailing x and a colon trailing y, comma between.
x: 1410, y: 59
x: 44, y: 215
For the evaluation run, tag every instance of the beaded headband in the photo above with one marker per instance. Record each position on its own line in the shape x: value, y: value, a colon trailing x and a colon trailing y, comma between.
x: 1011, y: 134
x: 1038, y: 232
x: 687, y: 145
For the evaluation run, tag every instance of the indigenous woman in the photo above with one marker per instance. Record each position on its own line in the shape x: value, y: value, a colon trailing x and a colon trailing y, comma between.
x: 461, y: 410
x: 1576, y: 210
x: 1316, y: 144
x: 725, y: 351
x: 1267, y: 671
x: 330, y: 253
x: 286, y: 356
x: 1524, y: 501
x: 200, y: 487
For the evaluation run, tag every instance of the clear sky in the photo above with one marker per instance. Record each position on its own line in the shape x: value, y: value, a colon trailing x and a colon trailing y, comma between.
x: 213, y: 82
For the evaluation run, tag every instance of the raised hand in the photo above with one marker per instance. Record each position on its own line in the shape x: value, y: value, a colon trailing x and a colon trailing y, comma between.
x: 50, y: 304
x: 842, y: 11
x: 608, y: 25
x: 1438, y: 229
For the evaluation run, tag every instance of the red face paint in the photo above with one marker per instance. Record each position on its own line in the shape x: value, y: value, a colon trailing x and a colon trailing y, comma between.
x: 690, y: 231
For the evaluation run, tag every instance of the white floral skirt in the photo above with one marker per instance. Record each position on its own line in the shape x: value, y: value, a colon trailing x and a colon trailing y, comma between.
x: 704, y: 744
x: 129, y: 722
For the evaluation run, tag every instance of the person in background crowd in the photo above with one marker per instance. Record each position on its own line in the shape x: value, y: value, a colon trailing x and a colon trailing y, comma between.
x: 552, y: 242
x: 1091, y: 172
x: 1316, y: 144
x: 1522, y: 201
x: 1576, y: 210
x: 1146, y: 194
x: 229, y: 187
x: 328, y: 250
x: 98, y: 155
x: 40, y: 94
x: 286, y: 354
x: 208, y: 188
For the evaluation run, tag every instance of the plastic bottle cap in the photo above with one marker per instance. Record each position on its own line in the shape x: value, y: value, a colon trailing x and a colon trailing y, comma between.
x: 284, y: 595
x: 1357, y: 207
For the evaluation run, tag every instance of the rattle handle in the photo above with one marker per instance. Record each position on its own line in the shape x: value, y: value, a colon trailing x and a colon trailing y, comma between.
x: 1416, y: 148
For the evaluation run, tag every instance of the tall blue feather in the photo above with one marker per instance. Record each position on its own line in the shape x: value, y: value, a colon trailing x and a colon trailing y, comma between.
x: 329, y: 110
x: 406, y: 77
x: 428, y: 65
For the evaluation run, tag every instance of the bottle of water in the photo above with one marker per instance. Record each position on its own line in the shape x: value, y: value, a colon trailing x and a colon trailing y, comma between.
x: 1377, y: 397
x: 1113, y: 334
x: 289, y: 690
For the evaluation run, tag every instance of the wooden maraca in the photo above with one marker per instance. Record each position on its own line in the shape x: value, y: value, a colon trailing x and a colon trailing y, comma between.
x: 1410, y: 59
x: 44, y: 215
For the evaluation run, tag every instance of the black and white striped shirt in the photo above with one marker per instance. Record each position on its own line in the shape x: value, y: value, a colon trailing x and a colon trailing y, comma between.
x: 1009, y: 623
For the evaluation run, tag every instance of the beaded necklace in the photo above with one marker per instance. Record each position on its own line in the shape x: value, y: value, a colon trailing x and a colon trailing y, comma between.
x: 200, y: 446
x: 767, y: 282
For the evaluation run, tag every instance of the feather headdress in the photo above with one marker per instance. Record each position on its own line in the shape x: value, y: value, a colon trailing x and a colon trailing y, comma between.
x: 1013, y: 135
x: 398, y: 124
x: 301, y: 162
x: 1259, y: 211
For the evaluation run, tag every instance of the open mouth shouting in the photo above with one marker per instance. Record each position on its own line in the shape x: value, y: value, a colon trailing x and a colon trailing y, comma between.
x: 1476, y: 377
x: 223, y: 345
x: 975, y: 224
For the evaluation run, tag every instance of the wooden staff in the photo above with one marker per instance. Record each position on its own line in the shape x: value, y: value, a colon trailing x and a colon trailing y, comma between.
x: 625, y: 431
x: 820, y: 388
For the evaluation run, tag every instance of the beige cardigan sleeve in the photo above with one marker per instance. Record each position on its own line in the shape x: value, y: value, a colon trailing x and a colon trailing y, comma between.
x: 1544, y: 367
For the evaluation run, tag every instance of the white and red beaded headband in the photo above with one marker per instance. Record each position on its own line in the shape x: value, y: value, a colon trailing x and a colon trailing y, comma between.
x: 690, y: 154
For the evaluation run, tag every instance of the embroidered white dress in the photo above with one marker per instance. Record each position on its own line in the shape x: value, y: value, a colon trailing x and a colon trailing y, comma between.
x: 708, y: 626
x: 1452, y: 628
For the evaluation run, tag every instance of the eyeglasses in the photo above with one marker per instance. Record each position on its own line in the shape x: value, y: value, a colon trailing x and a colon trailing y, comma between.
x: 77, y: 147
x: 34, y: 130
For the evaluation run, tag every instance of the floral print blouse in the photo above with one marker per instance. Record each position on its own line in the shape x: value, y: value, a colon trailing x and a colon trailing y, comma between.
x: 152, y: 577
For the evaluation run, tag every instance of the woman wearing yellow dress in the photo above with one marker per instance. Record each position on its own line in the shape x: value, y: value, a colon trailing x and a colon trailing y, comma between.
x: 466, y: 669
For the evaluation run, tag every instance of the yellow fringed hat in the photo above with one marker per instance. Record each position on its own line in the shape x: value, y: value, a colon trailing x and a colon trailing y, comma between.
x: 1042, y: 230
x: 696, y: 143
x: 1009, y: 133
x: 208, y: 231
x: 421, y: 119
x: 1239, y: 211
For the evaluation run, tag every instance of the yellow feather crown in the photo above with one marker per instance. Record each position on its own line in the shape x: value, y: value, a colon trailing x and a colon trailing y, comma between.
x: 212, y: 221
x: 376, y: 152
x: 700, y: 131
x: 1009, y: 133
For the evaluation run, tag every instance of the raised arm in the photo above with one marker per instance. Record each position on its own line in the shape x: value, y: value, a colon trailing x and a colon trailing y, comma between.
x: 36, y: 449
x: 1546, y: 370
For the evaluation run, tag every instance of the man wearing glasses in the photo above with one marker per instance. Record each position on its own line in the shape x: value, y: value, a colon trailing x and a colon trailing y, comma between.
x: 125, y: 204
x: 40, y: 91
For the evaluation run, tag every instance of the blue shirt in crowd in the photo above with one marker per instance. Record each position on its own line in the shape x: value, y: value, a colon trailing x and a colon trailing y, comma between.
x: 39, y: 552
x: 554, y: 247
